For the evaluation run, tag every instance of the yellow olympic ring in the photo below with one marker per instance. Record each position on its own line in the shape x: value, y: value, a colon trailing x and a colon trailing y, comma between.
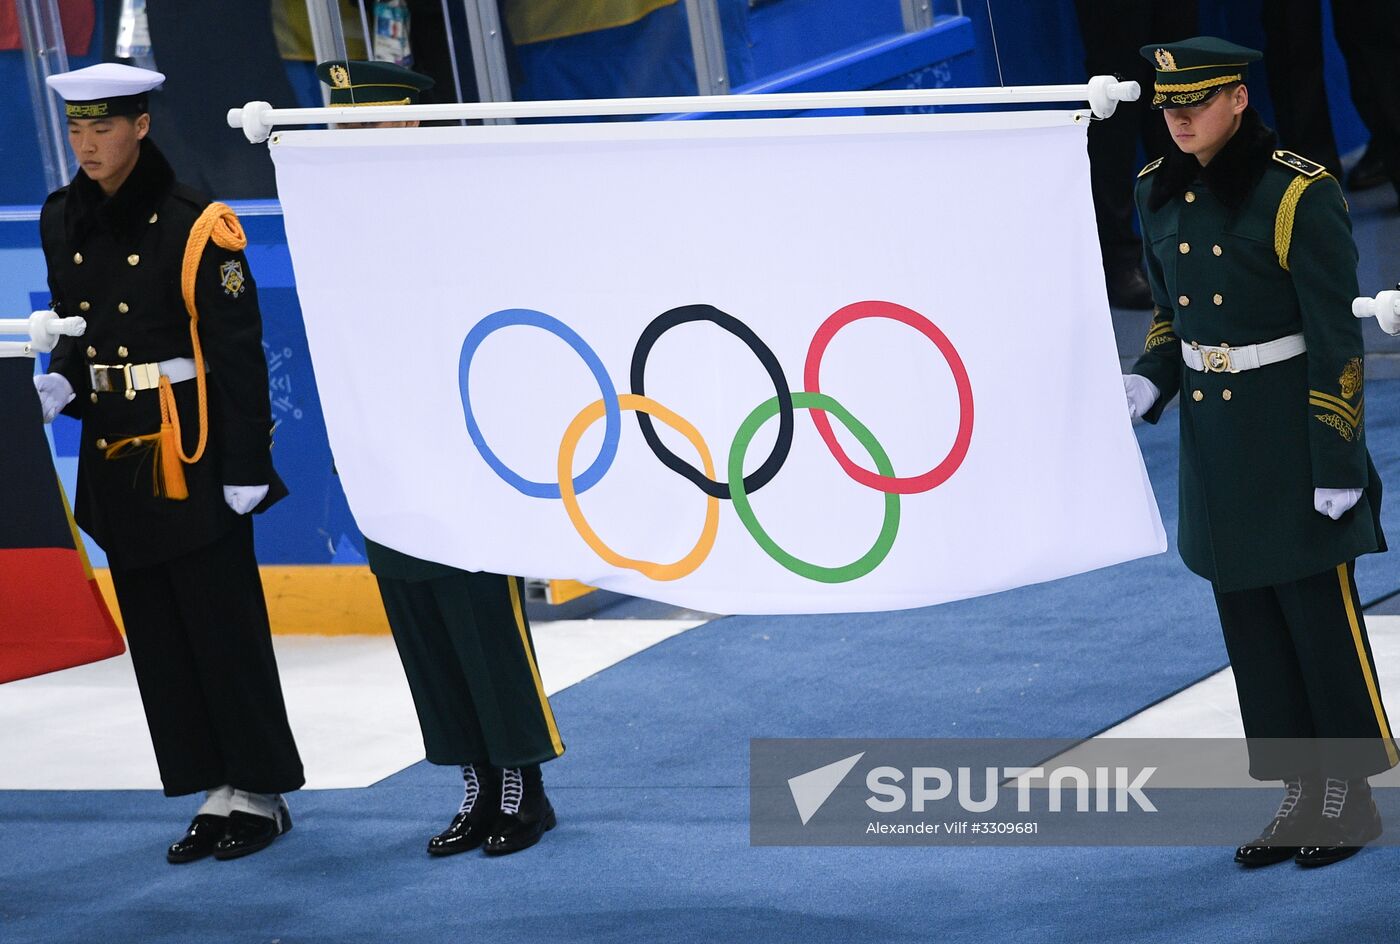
x: 586, y: 418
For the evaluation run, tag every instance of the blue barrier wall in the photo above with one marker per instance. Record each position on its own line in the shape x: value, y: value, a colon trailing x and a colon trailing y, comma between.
x: 1038, y: 44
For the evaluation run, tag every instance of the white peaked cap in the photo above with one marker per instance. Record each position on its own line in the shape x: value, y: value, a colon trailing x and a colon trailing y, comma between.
x: 104, y: 80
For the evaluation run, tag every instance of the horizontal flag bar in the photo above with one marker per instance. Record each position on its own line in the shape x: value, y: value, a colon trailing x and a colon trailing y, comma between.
x: 1103, y: 92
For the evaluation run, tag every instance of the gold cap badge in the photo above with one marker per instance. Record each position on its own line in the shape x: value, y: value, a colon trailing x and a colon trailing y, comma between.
x: 1165, y: 61
x: 340, y: 77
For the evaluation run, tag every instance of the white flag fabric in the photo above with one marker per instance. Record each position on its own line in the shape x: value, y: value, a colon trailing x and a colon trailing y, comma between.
x: 786, y: 365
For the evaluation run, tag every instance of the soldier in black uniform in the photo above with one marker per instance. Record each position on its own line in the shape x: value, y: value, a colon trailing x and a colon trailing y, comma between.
x: 1112, y: 31
x: 1253, y: 273
x: 463, y: 636
x: 170, y: 384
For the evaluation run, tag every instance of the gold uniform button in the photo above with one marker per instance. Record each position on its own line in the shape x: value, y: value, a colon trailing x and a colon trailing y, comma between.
x: 78, y: 258
x: 1190, y: 197
x: 84, y: 306
x: 93, y: 396
x: 122, y: 351
x: 91, y: 351
x: 1218, y: 299
x: 101, y: 444
x: 133, y: 259
x: 1183, y: 301
x: 1225, y: 394
x: 130, y: 394
x: 1216, y: 249
x: 154, y: 217
x: 1198, y: 396
x: 1185, y: 248
x: 123, y: 308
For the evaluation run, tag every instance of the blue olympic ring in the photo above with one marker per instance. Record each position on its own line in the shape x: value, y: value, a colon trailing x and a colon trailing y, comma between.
x: 612, y: 428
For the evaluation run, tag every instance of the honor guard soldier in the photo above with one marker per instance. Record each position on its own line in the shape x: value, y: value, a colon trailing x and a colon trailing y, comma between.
x: 463, y: 636
x: 1253, y: 271
x: 170, y: 384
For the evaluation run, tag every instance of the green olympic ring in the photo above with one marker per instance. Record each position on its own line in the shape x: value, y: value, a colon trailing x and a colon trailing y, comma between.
x: 883, y: 543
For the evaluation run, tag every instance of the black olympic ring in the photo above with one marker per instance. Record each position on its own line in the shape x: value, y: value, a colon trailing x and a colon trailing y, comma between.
x: 686, y: 313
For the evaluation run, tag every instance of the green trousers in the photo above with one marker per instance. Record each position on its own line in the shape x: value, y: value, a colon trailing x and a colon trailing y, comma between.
x: 470, y: 661
x: 1307, y: 685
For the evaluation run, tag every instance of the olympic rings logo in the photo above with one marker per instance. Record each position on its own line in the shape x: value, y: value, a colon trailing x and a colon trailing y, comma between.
x: 820, y: 406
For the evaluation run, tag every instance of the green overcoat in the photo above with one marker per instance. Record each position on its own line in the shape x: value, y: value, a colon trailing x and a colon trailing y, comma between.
x: 1254, y: 247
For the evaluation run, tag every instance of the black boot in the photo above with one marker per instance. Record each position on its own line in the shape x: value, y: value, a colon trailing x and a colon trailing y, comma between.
x: 1280, y: 839
x: 1349, y: 821
x: 199, y: 840
x: 476, y: 815
x: 1369, y: 171
x: 525, y: 811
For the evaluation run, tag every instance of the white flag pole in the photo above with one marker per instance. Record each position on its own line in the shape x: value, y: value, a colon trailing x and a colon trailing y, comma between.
x: 1385, y: 308
x: 44, y: 329
x: 1102, y: 92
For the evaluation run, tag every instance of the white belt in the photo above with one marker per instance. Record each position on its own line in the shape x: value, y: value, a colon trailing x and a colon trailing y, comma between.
x: 1226, y: 359
x: 120, y: 378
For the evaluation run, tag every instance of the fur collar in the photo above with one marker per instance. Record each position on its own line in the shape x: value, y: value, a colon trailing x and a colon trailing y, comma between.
x: 124, y: 212
x: 1230, y: 176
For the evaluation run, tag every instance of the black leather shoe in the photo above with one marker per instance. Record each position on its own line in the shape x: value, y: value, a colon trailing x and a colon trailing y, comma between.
x: 463, y: 835
x: 199, y: 840
x: 1279, y: 840
x: 1369, y: 171
x: 248, y: 833
x: 1128, y: 288
x: 1349, y: 821
x: 515, y: 831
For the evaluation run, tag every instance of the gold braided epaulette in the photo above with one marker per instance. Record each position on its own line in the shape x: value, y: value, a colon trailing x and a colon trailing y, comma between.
x: 1309, y: 173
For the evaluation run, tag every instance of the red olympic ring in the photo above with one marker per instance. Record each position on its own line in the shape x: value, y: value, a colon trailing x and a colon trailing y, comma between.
x: 906, y: 485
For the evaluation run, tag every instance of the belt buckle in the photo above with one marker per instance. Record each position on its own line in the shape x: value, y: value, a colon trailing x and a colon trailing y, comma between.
x: 1218, y: 360
x: 101, y: 375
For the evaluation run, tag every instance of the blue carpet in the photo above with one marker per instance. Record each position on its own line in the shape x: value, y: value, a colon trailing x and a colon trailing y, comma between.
x: 1379, y: 574
x: 653, y: 841
x: 641, y: 865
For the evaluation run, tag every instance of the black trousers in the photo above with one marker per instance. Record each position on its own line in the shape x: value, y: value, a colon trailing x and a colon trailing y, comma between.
x: 1368, y: 32
x: 470, y: 661
x: 200, y: 642
x: 1293, y: 54
x: 1113, y: 31
x: 1303, y: 670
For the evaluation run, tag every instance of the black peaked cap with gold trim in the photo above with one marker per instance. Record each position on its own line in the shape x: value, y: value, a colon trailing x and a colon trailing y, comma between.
x: 1191, y: 72
x: 357, y: 82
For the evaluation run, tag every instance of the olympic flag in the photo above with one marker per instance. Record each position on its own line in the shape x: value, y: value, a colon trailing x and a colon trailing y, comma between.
x: 614, y: 352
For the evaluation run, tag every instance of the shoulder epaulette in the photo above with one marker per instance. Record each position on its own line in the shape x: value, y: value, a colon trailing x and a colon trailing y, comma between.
x: 1300, y: 164
x: 189, y: 195
x: 1151, y: 167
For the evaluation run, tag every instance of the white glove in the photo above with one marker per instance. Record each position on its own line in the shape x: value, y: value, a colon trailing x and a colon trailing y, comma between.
x: 55, y: 392
x: 1335, y: 502
x: 244, y: 498
x: 1141, y: 393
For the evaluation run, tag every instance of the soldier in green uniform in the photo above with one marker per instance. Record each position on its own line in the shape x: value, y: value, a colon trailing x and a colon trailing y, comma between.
x: 463, y: 636
x: 1253, y: 269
